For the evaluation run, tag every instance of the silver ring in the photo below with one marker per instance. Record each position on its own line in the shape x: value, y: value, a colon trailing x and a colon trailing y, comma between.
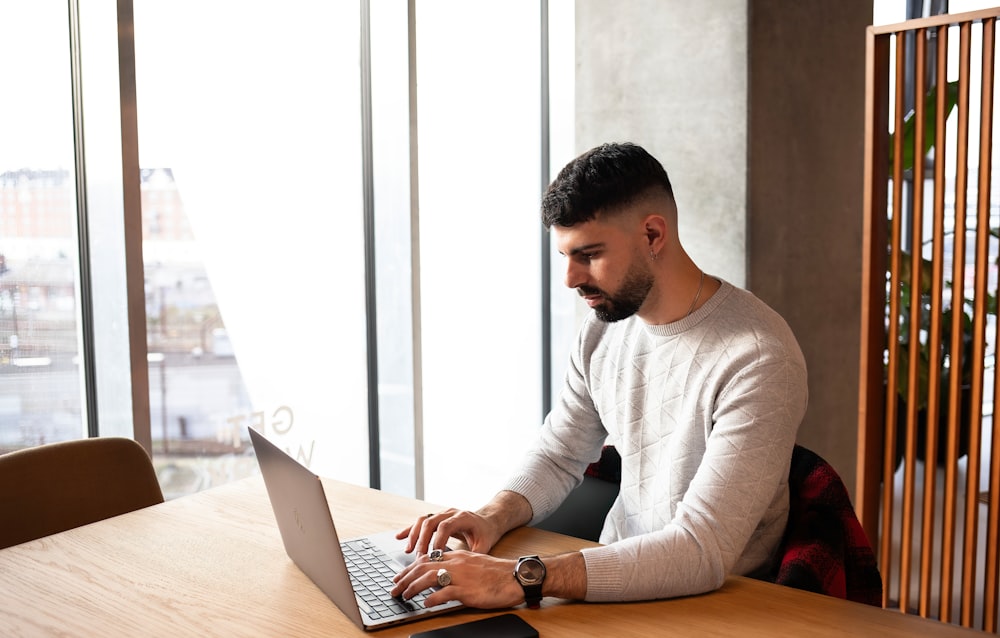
x: 444, y: 578
x: 435, y: 555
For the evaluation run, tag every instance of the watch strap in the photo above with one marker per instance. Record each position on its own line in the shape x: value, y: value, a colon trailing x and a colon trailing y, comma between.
x: 532, y: 592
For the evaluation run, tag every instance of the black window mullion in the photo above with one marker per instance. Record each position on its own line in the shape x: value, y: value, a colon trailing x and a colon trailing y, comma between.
x: 88, y: 365
x: 546, y: 263
x: 368, y: 198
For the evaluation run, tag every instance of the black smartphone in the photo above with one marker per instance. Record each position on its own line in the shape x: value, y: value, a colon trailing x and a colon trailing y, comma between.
x: 502, y: 626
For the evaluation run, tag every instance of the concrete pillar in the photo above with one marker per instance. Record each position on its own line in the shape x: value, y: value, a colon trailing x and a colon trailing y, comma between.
x: 805, y: 179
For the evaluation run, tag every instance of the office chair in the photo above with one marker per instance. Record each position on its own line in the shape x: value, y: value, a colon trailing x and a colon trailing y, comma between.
x: 583, y: 511
x: 824, y: 548
x: 59, y: 486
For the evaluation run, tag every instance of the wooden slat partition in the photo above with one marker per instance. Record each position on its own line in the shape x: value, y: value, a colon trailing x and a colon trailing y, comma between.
x: 924, y: 365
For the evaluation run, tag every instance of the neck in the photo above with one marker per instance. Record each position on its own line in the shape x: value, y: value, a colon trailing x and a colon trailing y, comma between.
x: 680, y: 290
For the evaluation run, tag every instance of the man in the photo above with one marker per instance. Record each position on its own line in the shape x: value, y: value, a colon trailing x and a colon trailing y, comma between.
x: 699, y: 386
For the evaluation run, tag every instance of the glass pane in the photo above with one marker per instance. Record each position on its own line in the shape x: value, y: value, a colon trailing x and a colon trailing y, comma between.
x: 40, y: 383
x: 391, y: 178
x: 479, y: 234
x: 249, y: 140
x: 195, y: 384
x: 567, y: 309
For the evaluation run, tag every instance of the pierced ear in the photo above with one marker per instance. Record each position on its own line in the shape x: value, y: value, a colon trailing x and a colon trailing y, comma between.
x: 656, y: 231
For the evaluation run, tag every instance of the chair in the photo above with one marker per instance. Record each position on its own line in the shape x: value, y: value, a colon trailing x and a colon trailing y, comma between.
x: 583, y: 511
x: 59, y: 486
x: 824, y: 548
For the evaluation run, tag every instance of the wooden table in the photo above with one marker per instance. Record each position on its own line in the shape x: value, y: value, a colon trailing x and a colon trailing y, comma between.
x: 212, y: 564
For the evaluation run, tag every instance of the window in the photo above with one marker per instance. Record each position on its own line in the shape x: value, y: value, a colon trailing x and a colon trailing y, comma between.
x: 257, y: 148
x: 40, y: 393
x: 252, y: 181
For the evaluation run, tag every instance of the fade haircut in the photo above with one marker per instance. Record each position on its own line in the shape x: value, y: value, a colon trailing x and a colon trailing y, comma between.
x: 602, y: 180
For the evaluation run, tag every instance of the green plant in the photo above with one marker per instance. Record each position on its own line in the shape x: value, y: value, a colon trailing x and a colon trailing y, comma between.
x: 908, y: 146
x: 920, y: 338
x: 930, y: 126
x: 925, y: 308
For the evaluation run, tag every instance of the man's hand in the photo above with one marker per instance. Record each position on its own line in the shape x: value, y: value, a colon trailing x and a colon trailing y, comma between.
x: 479, y: 530
x: 434, y: 530
x: 477, y: 580
x: 485, y: 582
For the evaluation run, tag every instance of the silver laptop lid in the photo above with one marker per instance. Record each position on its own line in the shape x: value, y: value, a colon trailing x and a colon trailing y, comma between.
x: 305, y: 523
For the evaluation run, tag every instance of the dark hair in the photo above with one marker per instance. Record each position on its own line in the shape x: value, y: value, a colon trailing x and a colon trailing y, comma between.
x: 603, y: 179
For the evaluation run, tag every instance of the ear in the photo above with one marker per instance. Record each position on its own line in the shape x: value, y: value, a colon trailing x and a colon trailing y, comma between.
x: 655, y: 228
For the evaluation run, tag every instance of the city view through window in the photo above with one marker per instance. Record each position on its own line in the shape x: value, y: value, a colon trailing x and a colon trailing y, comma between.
x: 198, y: 401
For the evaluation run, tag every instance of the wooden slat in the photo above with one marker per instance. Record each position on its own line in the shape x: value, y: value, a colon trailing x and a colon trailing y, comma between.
x: 895, y: 269
x: 949, y: 516
x: 929, y: 506
x: 990, y: 588
x: 871, y: 389
x: 915, y: 311
x: 992, y: 563
x: 979, y: 322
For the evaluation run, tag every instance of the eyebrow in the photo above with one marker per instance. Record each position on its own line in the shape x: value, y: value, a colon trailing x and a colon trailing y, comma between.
x: 585, y: 248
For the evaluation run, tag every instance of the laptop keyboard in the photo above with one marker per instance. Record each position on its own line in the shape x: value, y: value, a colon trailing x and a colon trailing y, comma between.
x: 371, y: 572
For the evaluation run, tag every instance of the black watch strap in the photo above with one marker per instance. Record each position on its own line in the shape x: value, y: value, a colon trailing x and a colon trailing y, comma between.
x: 532, y: 596
x: 530, y: 573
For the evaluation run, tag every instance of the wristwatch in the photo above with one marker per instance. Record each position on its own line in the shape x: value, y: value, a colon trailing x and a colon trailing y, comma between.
x: 530, y: 572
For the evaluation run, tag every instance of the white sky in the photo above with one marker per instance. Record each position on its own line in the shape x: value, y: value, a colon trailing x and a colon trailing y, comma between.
x: 35, y: 112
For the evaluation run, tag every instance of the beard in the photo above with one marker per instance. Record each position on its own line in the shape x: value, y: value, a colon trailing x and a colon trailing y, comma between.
x: 627, y: 300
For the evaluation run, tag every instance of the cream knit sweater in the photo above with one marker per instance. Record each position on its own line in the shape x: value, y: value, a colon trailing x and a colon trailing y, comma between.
x: 704, y: 412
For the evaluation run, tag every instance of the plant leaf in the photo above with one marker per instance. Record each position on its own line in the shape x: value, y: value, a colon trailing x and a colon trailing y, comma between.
x: 930, y: 125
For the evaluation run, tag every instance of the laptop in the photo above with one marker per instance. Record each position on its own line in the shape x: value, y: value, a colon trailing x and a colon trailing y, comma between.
x: 356, y: 574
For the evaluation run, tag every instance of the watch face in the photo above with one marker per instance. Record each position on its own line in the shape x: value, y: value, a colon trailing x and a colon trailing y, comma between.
x: 530, y: 571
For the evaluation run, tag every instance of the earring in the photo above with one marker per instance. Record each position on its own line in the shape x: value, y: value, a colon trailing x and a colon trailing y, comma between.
x: 652, y: 255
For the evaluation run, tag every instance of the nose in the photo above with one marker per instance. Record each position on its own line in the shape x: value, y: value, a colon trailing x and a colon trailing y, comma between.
x: 575, y: 274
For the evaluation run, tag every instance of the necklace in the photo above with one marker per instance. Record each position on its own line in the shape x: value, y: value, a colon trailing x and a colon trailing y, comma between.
x: 697, y: 295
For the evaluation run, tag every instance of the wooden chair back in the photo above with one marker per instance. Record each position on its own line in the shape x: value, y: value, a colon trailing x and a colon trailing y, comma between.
x: 59, y: 486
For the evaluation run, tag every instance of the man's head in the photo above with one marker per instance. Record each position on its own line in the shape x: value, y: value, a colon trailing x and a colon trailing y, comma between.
x: 612, y: 212
x: 603, y: 181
